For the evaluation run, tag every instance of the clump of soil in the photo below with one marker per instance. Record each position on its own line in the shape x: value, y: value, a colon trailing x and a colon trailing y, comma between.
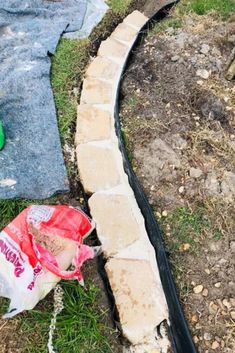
x: 178, y: 119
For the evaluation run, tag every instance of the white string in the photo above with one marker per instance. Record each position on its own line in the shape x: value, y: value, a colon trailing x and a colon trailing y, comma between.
x: 58, y: 307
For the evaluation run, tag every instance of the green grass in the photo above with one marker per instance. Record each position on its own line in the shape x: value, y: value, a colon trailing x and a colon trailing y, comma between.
x: 11, y: 208
x: 160, y: 27
x: 133, y: 101
x: 67, y: 67
x: 126, y: 142
x: 186, y: 228
x: 80, y: 327
x: 119, y: 6
x: 223, y: 7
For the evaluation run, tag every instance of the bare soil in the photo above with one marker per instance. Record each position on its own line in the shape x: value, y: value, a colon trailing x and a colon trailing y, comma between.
x: 179, y: 130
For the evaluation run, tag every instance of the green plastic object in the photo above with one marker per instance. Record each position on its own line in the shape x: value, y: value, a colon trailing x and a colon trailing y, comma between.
x: 2, y: 136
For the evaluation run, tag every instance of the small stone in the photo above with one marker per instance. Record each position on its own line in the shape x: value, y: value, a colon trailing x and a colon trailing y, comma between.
x: 164, y: 213
x: 75, y: 91
x: 203, y: 73
x: 232, y: 301
x: 195, y: 173
x: 217, y: 285
x: 205, y: 292
x: 232, y: 246
x: 181, y: 39
x: 195, y: 339
x: 200, y: 82
x: 215, y: 345
x: 198, y: 289
x: 226, y: 303
x: 207, y: 271
x: 213, y: 308
x: 184, y: 247
x: 231, y: 39
x: 170, y: 30
x: 158, y: 214
x: 194, y: 318
x: 178, y: 142
x: 222, y: 262
x: 175, y: 58
x: 181, y: 189
x: 228, y: 185
x: 212, y: 184
x: 152, y: 188
x: 204, y: 49
x: 232, y: 314
x: 207, y: 336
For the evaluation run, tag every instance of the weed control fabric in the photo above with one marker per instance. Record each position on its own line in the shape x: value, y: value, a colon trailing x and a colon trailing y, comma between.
x: 31, y: 163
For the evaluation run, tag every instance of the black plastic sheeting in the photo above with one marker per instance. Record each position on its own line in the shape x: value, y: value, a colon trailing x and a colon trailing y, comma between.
x: 31, y: 164
x: 178, y: 330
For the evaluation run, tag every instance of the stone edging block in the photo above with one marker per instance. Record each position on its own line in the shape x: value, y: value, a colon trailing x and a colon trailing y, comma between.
x: 124, y: 33
x: 93, y: 124
x: 117, y: 227
x: 112, y: 48
x: 135, y: 19
x: 102, y: 68
x: 97, y: 167
x: 135, y: 293
x: 96, y: 91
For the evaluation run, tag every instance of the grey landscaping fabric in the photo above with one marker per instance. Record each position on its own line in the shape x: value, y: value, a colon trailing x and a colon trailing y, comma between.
x: 31, y: 164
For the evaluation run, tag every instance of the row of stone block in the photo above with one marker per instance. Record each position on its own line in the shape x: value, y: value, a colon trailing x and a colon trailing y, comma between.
x: 131, y: 263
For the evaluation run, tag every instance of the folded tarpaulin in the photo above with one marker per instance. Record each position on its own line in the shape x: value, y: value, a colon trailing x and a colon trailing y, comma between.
x: 31, y: 164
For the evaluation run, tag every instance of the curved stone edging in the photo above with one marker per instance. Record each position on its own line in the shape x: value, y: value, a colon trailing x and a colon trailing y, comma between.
x: 131, y: 265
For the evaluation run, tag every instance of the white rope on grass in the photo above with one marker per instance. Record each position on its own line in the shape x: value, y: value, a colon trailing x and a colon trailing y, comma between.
x: 58, y: 307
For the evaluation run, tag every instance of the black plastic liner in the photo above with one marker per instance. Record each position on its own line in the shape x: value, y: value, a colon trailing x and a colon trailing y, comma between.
x: 178, y: 330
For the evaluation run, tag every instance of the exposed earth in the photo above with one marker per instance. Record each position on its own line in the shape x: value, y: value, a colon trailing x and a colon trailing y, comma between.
x: 178, y: 117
